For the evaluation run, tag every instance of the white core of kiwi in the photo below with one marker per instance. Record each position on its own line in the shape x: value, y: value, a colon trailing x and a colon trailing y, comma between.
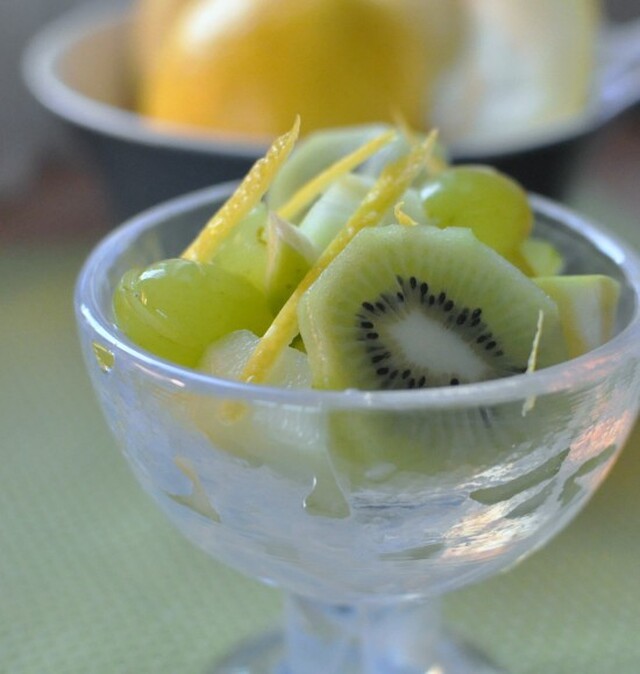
x: 447, y: 352
x: 414, y: 335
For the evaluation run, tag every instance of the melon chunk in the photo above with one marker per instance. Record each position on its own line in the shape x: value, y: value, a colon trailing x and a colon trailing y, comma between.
x: 587, y: 306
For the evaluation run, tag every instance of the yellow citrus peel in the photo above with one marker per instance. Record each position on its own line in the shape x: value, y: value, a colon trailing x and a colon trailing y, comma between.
x: 433, y: 163
x: 319, y: 183
x: 401, y: 217
x: 436, y: 165
x: 530, y: 402
x: 390, y: 186
x: 244, y: 199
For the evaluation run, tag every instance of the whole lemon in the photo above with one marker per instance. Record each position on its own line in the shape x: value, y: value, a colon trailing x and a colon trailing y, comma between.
x: 249, y: 66
x: 152, y: 21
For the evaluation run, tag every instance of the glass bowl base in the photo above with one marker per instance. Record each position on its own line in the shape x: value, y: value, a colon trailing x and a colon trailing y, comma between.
x: 264, y: 655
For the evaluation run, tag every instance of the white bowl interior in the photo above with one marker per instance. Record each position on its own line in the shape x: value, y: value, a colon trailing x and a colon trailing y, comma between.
x: 97, y: 65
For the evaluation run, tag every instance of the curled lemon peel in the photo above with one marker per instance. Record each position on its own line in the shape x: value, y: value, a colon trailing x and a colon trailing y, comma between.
x: 391, y: 184
x: 246, y: 196
x: 319, y: 183
x: 535, y: 346
x: 433, y: 163
x: 436, y: 165
x: 532, y: 362
x: 401, y: 217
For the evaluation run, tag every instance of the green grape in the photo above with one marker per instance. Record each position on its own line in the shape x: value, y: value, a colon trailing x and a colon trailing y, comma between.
x: 489, y: 203
x: 176, y: 308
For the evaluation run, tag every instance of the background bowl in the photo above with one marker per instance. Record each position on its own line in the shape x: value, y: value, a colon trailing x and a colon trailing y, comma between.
x: 77, y: 68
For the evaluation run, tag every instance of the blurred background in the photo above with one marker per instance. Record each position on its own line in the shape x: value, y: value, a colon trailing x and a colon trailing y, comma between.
x: 92, y: 579
x: 39, y: 155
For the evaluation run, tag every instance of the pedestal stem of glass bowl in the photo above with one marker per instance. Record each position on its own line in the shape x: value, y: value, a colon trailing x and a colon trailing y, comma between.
x: 389, y: 638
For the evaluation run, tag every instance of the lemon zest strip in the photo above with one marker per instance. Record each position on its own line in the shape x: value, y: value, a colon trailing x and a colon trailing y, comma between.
x: 532, y: 362
x: 433, y: 163
x: 319, y: 183
x: 244, y: 199
x: 401, y: 217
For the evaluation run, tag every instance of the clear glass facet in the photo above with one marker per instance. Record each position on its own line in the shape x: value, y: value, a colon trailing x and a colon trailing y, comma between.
x: 366, y: 507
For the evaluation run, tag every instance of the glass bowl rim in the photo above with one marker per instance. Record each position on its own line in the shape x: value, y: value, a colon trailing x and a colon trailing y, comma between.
x: 577, y: 371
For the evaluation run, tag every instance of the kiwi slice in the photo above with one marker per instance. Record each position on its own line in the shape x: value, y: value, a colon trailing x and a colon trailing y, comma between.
x: 415, y: 307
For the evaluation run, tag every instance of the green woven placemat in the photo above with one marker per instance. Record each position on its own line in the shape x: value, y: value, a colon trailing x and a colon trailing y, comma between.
x: 94, y: 579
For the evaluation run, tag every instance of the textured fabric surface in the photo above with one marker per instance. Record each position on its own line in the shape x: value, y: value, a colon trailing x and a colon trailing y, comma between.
x: 94, y: 580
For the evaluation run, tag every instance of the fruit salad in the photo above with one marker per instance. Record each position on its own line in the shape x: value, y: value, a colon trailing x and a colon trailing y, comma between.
x: 359, y: 258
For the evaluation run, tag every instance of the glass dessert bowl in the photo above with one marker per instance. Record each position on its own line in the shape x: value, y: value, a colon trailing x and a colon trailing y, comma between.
x: 365, y: 507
